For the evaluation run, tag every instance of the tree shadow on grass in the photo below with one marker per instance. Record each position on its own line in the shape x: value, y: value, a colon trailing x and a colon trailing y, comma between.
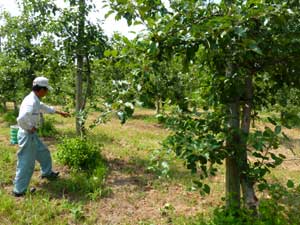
x: 61, y: 188
x: 101, y: 138
x: 75, y: 189
x: 122, y: 175
x: 143, y: 117
x: 78, y: 188
x: 136, y: 173
x: 293, y: 144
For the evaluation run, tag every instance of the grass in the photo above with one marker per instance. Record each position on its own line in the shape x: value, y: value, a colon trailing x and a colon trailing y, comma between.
x: 7, y: 164
x: 130, y: 194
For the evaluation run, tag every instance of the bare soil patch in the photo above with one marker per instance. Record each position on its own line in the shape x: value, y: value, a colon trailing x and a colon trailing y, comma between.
x: 135, y: 198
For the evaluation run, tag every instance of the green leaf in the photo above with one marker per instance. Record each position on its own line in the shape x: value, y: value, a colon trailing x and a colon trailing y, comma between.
x: 198, y: 183
x: 290, y: 184
x: 282, y: 156
x: 122, y: 117
x: 114, y: 53
x: 240, y: 31
x: 262, y: 186
x: 258, y: 146
x: 252, y: 45
x: 272, y: 121
x: 107, y: 53
x: 137, y: 23
x: 277, y: 129
x: 206, y: 188
x: 108, y: 13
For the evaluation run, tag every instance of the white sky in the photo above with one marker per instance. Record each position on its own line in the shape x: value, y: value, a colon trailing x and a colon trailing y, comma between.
x: 110, y: 25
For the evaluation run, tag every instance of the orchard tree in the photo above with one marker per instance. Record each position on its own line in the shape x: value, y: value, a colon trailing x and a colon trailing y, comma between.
x: 81, y: 42
x: 11, y: 85
x: 243, y: 46
x: 50, y: 40
x: 156, y: 79
x: 22, y: 56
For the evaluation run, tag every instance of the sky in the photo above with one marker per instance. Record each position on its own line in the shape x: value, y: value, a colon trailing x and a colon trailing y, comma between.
x: 110, y: 25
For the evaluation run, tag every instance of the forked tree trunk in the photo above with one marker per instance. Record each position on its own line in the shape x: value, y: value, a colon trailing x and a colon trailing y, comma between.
x: 247, y: 184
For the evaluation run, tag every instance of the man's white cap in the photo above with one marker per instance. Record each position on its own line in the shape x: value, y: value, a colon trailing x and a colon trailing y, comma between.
x: 42, y: 82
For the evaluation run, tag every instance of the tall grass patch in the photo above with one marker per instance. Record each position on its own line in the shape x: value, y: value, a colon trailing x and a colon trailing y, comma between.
x: 88, y: 168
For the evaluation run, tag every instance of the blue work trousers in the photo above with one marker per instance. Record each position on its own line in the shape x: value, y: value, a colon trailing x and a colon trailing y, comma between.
x: 31, y: 149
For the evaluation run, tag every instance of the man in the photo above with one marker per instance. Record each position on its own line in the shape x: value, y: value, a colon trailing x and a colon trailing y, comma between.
x: 31, y: 147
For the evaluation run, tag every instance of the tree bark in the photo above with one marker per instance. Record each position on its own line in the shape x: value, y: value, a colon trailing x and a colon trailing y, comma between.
x: 79, y: 71
x: 232, y: 178
x: 247, y: 183
x: 158, y: 105
x: 4, y: 106
x: 16, y: 110
x: 233, y: 191
x: 79, y: 94
x: 88, y: 90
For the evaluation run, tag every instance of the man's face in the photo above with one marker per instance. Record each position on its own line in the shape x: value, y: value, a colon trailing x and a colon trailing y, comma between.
x: 43, y: 92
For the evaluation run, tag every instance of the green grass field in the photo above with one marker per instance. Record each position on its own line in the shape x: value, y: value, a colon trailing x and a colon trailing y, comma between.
x: 131, y: 193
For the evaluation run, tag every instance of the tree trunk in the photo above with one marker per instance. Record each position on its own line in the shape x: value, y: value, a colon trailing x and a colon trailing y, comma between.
x: 233, y: 191
x: 79, y: 72
x: 232, y: 179
x: 4, y: 106
x: 79, y: 94
x: 88, y: 90
x: 157, y: 104
x: 247, y: 184
x: 16, y: 110
x: 183, y: 105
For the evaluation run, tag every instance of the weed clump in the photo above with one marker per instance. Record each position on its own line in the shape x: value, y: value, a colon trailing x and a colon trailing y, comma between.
x: 88, y: 168
x: 47, y: 129
x: 10, y: 117
x: 79, y: 154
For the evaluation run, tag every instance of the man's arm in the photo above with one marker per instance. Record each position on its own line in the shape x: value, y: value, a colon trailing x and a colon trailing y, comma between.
x: 49, y: 109
x: 62, y: 113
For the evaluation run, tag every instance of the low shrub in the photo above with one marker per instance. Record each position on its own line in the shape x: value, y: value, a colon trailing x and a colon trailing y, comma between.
x: 79, y: 154
x: 89, y: 169
x: 47, y: 129
x: 10, y: 117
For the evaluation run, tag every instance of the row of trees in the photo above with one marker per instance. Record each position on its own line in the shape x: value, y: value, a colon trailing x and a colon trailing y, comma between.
x: 230, y: 58
x: 54, y: 42
x: 49, y: 40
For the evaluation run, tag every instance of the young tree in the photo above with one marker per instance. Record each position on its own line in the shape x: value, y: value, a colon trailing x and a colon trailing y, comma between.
x: 82, y: 42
